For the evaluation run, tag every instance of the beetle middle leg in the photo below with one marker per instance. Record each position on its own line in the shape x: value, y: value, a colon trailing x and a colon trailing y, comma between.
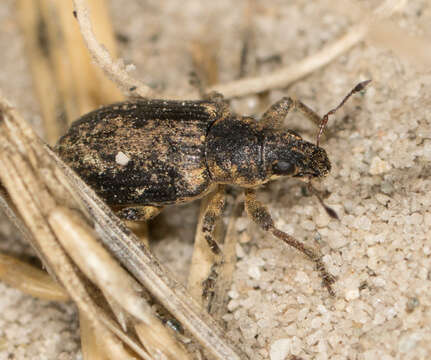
x: 261, y: 216
x: 139, y: 213
x: 210, y: 216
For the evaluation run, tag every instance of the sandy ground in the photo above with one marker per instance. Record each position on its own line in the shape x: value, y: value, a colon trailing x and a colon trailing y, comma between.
x: 380, y: 147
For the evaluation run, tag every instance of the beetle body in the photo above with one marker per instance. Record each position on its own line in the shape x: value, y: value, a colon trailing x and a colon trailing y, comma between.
x: 156, y: 152
x: 142, y: 155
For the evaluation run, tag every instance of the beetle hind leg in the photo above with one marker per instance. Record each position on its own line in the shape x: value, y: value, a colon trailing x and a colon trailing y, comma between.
x: 261, y: 216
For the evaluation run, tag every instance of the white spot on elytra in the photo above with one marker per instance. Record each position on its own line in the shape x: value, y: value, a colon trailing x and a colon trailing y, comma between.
x: 121, y: 158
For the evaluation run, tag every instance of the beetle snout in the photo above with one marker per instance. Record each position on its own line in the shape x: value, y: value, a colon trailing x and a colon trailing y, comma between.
x: 321, y: 165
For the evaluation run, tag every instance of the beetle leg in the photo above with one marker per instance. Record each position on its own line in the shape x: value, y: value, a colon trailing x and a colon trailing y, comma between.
x: 214, y: 96
x: 274, y: 116
x: 196, y: 81
x: 139, y: 213
x: 222, y: 103
x: 261, y: 216
x: 210, y: 216
x: 307, y: 112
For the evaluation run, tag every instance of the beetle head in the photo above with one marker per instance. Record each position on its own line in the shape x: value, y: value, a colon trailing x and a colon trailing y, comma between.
x: 287, y: 154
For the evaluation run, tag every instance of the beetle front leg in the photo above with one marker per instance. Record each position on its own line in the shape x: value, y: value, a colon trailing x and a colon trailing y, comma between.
x: 211, y: 214
x: 261, y: 216
x: 274, y: 116
x: 139, y: 213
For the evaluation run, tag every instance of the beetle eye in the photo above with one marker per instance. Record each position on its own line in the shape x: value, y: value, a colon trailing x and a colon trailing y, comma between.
x: 283, y: 168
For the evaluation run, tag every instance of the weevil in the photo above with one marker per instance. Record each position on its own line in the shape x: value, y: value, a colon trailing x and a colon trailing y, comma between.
x: 142, y: 155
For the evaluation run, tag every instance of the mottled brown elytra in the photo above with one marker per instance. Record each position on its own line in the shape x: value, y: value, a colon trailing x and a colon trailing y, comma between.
x: 144, y: 154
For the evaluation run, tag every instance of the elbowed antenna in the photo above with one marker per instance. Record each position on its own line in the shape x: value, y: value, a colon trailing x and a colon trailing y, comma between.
x: 359, y: 87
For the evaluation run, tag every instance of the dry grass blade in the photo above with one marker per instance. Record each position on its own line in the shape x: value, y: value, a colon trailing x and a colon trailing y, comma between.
x: 153, y: 337
x: 25, y: 164
x: 30, y: 280
x: 76, y: 86
x: 21, y: 161
x: 79, y: 240
x: 12, y: 213
x: 92, y: 347
x: 227, y: 267
x: 80, y: 243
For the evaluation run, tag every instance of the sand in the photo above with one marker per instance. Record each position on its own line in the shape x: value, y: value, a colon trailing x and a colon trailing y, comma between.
x: 380, y: 148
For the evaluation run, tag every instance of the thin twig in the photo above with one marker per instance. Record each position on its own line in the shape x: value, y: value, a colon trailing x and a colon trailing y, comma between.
x: 287, y: 75
x: 115, y: 70
x: 278, y: 79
